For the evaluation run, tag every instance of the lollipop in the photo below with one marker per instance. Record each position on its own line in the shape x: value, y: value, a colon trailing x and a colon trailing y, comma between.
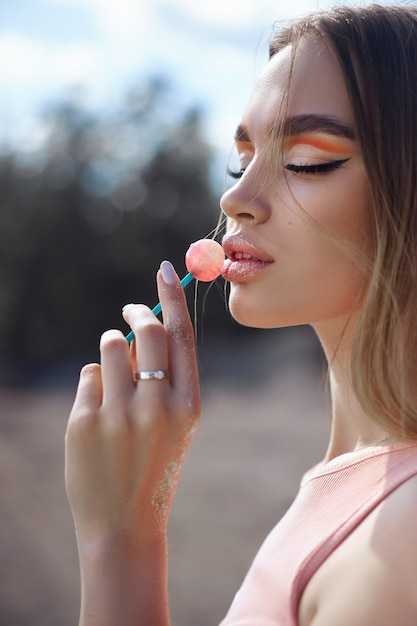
x: 204, y: 261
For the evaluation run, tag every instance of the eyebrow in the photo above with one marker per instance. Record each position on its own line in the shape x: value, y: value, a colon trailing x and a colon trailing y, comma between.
x: 300, y: 124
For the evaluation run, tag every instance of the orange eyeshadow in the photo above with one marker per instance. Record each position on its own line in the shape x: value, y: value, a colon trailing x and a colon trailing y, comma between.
x: 320, y: 143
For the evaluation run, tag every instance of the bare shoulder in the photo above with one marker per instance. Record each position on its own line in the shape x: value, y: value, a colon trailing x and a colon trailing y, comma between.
x: 398, y: 512
x: 371, y: 578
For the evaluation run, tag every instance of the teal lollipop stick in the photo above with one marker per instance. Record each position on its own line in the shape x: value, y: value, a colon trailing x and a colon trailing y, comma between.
x: 157, y: 309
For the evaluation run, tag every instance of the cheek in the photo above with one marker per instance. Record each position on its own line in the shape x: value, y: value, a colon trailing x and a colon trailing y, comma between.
x: 335, y: 236
x: 340, y: 211
x: 351, y: 226
x: 345, y: 223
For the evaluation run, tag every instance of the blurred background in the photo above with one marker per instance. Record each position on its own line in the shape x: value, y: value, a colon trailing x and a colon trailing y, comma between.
x: 116, y: 125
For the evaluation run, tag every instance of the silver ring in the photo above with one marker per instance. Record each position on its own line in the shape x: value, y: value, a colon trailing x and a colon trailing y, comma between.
x: 151, y: 375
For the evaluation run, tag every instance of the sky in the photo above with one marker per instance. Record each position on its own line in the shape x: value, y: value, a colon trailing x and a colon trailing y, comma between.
x: 211, y: 51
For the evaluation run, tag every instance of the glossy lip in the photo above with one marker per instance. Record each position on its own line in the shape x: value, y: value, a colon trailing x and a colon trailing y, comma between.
x: 244, y: 258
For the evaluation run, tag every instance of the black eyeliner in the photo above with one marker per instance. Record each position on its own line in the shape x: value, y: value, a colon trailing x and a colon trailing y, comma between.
x: 318, y: 168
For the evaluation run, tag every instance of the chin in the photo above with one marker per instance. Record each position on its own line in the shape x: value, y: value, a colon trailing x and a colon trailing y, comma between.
x: 251, y: 317
x: 246, y: 308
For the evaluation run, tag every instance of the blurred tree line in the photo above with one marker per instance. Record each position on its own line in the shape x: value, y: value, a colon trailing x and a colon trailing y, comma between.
x: 86, y: 216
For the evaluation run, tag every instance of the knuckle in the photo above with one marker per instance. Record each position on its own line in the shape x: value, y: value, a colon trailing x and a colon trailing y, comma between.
x: 90, y: 370
x: 188, y: 411
x: 83, y: 423
x: 151, y: 328
x: 135, y: 314
x: 112, y: 340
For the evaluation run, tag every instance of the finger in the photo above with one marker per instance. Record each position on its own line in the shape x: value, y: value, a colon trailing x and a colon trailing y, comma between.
x: 89, y: 390
x: 181, y: 342
x: 116, y: 369
x: 87, y: 400
x: 150, y: 338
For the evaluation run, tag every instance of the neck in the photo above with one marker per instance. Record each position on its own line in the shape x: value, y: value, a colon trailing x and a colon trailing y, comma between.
x: 352, y: 428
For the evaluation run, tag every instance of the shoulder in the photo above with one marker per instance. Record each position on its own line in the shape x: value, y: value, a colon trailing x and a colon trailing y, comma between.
x: 371, y: 578
x: 395, y: 529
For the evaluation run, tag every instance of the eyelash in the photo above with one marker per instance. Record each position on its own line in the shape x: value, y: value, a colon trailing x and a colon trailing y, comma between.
x: 318, y: 168
x: 234, y: 173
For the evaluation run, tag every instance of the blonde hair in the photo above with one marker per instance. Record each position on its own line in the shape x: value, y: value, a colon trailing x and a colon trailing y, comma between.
x: 376, y: 47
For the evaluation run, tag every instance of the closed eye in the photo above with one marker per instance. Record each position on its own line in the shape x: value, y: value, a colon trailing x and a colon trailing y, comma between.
x: 235, y: 174
x: 317, y: 168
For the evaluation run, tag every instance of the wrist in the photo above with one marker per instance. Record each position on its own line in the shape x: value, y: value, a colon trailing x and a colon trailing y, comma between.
x: 97, y: 543
x: 123, y: 579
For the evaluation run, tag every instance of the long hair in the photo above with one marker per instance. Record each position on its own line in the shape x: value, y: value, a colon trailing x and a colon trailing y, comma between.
x: 376, y: 48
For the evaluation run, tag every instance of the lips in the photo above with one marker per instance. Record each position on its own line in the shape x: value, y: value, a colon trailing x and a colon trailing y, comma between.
x: 244, y: 260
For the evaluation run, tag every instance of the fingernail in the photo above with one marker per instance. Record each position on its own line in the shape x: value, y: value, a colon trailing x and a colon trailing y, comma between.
x: 126, y: 306
x: 168, y: 273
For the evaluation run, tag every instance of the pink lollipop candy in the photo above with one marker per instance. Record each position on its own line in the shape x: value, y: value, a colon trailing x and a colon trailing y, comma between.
x: 205, y: 259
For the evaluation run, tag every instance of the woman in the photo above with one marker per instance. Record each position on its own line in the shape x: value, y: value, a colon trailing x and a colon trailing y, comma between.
x: 321, y: 230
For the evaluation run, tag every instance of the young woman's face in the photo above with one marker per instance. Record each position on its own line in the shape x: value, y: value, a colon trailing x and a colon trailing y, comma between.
x: 297, y: 229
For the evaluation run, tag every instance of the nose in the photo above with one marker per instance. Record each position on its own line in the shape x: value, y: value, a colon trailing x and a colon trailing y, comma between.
x: 246, y: 200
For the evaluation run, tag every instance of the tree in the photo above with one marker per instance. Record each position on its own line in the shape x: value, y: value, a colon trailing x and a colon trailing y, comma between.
x: 86, y: 219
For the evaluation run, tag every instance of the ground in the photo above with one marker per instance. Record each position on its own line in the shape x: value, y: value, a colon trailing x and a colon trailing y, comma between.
x: 255, y: 441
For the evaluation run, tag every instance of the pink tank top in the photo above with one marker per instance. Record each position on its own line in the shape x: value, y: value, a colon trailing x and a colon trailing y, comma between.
x: 333, y: 499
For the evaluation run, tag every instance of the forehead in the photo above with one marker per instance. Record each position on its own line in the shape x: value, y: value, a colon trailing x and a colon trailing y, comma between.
x: 316, y: 88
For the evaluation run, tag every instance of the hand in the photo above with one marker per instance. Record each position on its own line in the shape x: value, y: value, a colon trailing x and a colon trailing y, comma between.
x: 126, y: 441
